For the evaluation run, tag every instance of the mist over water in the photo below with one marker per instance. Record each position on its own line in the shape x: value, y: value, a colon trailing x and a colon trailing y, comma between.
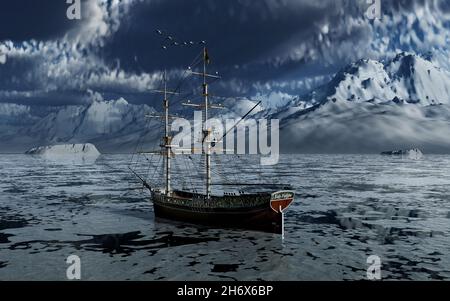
x: 347, y: 208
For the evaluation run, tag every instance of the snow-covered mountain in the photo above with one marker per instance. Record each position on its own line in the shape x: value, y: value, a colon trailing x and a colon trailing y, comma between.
x: 406, y: 78
x: 371, y: 106
x: 111, y: 125
x: 349, y: 127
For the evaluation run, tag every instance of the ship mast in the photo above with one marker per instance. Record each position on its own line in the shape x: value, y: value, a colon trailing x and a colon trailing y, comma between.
x: 167, y: 138
x: 206, y: 130
x: 166, y: 143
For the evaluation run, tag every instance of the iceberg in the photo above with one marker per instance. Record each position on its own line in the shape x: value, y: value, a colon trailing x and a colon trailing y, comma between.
x: 413, y: 153
x: 71, y: 152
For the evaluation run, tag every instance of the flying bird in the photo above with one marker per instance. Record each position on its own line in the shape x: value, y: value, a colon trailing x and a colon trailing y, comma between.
x: 173, y: 42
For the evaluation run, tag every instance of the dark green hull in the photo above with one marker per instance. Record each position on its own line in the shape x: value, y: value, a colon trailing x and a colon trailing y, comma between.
x: 252, y: 212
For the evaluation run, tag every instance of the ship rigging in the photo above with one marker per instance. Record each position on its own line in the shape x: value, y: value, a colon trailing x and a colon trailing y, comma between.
x: 258, y: 210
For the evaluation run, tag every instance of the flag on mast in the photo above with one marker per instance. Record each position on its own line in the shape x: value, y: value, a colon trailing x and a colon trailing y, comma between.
x: 205, y: 55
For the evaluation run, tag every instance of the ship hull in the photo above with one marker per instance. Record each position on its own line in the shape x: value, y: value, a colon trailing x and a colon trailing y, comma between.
x: 254, y: 212
x: 261, y: 220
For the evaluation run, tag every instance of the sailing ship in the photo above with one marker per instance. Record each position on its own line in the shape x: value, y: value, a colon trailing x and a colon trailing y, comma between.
x: 261, y: 210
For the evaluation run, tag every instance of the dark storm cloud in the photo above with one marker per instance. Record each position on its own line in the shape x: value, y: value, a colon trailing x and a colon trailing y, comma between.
x: 248, y: 40
x: 258, y: 37
x: 258, y: 46
x: 245, y: 31
x: 238, y: 32
x: 22, y: 20
x: 256, y: 40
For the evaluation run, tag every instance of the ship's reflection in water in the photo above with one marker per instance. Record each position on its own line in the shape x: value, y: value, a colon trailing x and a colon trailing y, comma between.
x: 347, y: 208
x: 121, y: 243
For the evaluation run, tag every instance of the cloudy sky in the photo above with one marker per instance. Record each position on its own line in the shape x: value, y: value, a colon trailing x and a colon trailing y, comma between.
x: 264, y: 48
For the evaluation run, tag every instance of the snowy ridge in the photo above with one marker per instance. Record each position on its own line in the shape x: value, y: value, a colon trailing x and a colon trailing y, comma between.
x: 368, y: 107
x: 100, y: 122
x: 406, y: 78
x: 371, y: 106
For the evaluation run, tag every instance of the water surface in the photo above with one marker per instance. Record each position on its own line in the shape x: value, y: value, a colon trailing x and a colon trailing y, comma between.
x: 347, y: 208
